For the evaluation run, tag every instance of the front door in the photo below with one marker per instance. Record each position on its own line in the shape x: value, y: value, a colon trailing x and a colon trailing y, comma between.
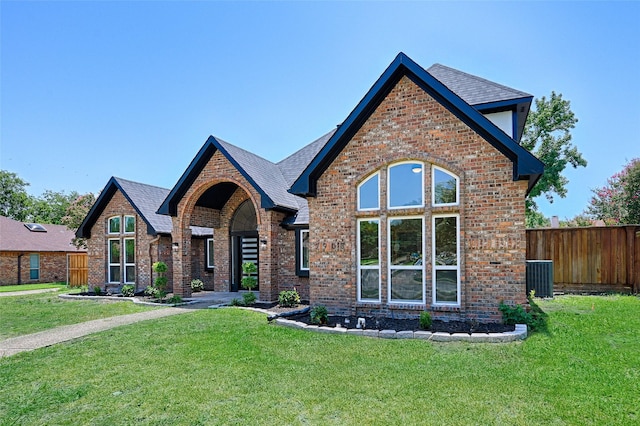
x: 244, y: 242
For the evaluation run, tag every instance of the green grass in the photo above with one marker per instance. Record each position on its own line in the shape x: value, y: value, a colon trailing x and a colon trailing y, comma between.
x: 229, y: 366
x: 29, y: 313
x: 25, y: 287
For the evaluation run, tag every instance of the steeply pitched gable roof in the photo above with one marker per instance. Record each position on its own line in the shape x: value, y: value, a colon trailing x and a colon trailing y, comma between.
x: 525, y: 165
x: 14, y: 236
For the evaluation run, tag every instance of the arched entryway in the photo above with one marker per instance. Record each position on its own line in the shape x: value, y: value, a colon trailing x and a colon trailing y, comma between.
x: 243, y: 242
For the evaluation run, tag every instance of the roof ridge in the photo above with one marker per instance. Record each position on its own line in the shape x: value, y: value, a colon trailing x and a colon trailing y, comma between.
x: 119, y: 179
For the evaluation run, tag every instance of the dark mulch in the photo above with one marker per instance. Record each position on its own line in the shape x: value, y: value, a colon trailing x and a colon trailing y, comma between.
x: 383, y: 323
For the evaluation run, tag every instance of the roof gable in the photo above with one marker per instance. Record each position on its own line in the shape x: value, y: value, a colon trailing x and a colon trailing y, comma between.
x: 525, y: 165
x: 265, y: 177
x: 17, y: 237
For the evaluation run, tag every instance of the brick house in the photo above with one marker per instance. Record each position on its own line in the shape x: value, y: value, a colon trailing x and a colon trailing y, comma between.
x: 34, y: 253
x: 416, y: 201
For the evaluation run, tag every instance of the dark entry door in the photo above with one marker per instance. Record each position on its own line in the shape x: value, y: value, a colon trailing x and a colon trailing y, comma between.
x: 244, y: 248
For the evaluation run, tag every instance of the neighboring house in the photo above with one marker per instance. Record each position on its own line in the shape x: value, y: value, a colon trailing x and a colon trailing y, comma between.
x: 416, y: 201
x: 34, y: 253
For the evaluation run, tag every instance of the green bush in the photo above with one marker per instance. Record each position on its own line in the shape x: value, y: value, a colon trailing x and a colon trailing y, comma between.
x: 319, y: 315
x: 161, y: 280
x: 236, y: 302
x: 197, y: 285
x: 97, y: 290
x: 289, y: 298
x: 175, y: 299
x: 536, y: 318
x: 128, y: 290
x: 248, y: 299
x: 425, y: 320
x: 249, y: 282
x: 151, y: 291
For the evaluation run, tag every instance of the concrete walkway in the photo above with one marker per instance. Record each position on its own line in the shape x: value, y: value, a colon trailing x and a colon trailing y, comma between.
x: 65, y: 333
x: 21, y: 293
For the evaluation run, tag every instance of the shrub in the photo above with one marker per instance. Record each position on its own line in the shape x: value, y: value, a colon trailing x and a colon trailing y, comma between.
x: 127, y: 290
x: 536, y: 318
x: 151, y: 291
x: 236, y: 302
x: 425, y: 320
x: 289, y: 298
x: 175, y: 299
x: 97, y: 290
x: 197, y: 285
x: 319, y: 315
x: 249, y: 281
x: 161, y: 280
x: 248, y: 299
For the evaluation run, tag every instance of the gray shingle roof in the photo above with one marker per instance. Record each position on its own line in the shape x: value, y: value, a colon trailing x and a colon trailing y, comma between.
x: 295, y: 164
x: 472, y: 89
x: 14, y: 236
x: 146, y: 199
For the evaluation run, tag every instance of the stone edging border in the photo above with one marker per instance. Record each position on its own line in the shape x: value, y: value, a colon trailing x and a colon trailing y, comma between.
x: 520, y: 333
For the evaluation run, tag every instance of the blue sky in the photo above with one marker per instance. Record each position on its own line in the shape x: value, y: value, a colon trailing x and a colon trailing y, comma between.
x: 91, y: 90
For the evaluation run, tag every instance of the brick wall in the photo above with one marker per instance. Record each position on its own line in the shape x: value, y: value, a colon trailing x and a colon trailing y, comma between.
x: 410, y: 125
x: 53, y: 267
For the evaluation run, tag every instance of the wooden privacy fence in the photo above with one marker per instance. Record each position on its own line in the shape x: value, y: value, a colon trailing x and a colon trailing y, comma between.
x: 593, y: 259
x: 77, y: 269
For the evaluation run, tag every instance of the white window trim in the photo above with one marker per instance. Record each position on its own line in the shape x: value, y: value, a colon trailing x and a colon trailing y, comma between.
x: 109, y: 225
x: 389, y: 185
x: 124, y: 224
x: 373, y: 267
x: 302, y: 232
x: 210, y: 248
x: 110, y: 264
x: 433, y: 186
x: 123, y: 251
x: 390, y: 267
x: 376, y: 174
x: 445, y: 267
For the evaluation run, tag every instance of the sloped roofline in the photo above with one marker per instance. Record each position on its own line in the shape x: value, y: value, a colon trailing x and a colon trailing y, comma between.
x: 84, y: 231
x: 170, y: 205
x: 525, y: 165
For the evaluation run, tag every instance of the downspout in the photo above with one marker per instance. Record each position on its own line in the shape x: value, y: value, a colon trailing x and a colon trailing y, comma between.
x: 151, y: 243
x: 20, y: 268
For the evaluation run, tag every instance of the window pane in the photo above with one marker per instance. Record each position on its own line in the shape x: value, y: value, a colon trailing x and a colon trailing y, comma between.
x: 34, y: 274
x: 370, y: 284
x: 130, y: 274
x: 447, y: 286
x: 130, y: 250
x: 114, y: 225
x: 129, y: 224
x: 34, y: 261
x: 405, y: 185
x: 368, y: 193
x: 444, y: 187
x: 406, y: 241
x: 446, y: 240
x: 406, y: 284
x: 305, y: 249
x: 210, y: 253
x: 114, y: 274
x: 114, y: 251
x: 369, y: 243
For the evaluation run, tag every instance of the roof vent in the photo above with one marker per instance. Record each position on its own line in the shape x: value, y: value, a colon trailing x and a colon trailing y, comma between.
x: 35, y: 227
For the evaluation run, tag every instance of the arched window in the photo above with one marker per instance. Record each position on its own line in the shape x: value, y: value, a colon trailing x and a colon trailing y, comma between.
x: 405, y: 183
x: 114, y: 225
x: 445, y: 188
x: 369, y: 193
x: 244, y: 219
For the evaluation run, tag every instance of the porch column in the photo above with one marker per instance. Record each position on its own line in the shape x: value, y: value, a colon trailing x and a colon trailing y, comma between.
x: 181, y: 248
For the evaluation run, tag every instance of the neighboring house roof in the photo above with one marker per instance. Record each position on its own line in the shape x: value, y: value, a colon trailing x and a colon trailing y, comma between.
x: 145, y: 199
x: 525, y: 165
x: 15, y: 236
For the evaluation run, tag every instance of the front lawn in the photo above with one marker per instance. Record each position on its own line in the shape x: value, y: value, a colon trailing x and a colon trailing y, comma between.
x: 25, y: 287
x: 29, y: 313
x: 229, y: 366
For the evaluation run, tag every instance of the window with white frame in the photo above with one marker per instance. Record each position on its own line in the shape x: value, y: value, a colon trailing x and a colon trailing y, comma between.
x: 446, y: 263
x: 405, y: 183
x: 114, y: 260
x: 304, y: 250
x: 114, y: 225
x: 129, y: 224
x: 34, y: 266
x: 369, y: 193
x: 129, y: 260
x: 210, y: 257
x: 407, y: 235
x: 369, y: 260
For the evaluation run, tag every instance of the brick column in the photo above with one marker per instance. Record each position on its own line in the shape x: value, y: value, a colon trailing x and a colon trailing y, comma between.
x: 181, y: 258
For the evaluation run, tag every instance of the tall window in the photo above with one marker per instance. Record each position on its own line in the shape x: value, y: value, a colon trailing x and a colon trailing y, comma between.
x: 114, y: 225
x: 210, y: 253
x: 446, y: 264
x: 304, y: 250
x: 369, y: 260
x: 129, y: 260
x: 129, y: 224
x: 34, y: 266
x: 406, y: 266
x: 407, y: 233
x: 114, y: 261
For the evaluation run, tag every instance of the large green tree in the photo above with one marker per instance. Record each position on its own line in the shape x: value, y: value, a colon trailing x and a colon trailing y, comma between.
x: 618, y: 202
x: 547, y: 135
x: 76, y: 212
x: 51, y: 207
x: 14, y: 200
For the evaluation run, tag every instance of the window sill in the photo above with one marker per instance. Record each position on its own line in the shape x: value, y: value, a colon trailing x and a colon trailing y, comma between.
x: 407, y: 306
